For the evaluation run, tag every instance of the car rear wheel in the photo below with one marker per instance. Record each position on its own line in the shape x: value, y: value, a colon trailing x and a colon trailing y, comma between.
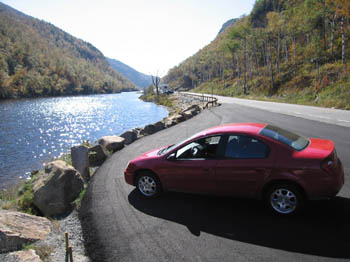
x: 148, y: 185
x: 284, y: 199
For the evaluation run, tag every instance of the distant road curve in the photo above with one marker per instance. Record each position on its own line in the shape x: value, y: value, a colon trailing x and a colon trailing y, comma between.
x: 321, y: 114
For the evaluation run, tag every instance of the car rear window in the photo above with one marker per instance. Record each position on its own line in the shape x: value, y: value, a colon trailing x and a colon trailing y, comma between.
x: 286, y: 137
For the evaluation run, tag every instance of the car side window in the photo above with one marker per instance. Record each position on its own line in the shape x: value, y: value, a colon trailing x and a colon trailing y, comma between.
x: 245, y: 147
x: 204, y: 148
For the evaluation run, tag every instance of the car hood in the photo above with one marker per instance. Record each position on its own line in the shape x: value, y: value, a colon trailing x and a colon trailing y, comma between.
x: 151, y: 153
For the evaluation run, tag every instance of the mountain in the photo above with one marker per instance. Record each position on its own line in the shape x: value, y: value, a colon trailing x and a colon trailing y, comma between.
x: 39, y: 59
x: 139, y: 79
x: 227, y: 24
x: 294, y: 51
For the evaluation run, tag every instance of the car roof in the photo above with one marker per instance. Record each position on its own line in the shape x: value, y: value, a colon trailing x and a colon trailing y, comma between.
x: 248, y: 128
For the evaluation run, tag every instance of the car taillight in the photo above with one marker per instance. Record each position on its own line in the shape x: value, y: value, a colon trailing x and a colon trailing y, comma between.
x: 327, y: 165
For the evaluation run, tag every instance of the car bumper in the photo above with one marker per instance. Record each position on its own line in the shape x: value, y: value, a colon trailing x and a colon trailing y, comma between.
x: 338, y: 180
x: 129, y: 177
x: 330, y: 185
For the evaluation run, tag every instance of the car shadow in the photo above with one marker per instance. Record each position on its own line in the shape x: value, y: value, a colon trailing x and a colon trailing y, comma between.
x: 322, y: 229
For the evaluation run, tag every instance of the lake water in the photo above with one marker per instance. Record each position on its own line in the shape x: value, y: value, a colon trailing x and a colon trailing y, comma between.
x: 33, y: 131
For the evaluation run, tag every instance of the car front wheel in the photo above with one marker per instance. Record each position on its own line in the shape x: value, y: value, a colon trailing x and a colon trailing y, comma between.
x: 148, y: 185
x: 284, y: 199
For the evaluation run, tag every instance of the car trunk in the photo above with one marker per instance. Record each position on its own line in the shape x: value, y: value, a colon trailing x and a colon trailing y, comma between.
x: 323, y: 151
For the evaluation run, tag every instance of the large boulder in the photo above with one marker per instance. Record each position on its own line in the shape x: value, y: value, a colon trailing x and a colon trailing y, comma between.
x: 193, y: 108
x: 80, y: 161
x: 23, y: 256
x: 97, y: 155
x: 179, y: 118
x: 191, y: 111
x: 58, y: 186
x: 187, y: 114
x: 152, y: 128
x: 112, y: 143
x: 18, y: 228
x: 130, y: 136
x: 148, y: 130
x: 159, y: 126
x: 169, y: 122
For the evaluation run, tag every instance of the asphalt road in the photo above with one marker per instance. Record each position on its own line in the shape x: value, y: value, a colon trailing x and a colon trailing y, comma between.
x: 321, y: 114
x: 119, y: 225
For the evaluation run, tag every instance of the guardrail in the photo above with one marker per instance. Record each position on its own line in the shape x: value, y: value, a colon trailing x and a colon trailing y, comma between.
x: 203, y: 98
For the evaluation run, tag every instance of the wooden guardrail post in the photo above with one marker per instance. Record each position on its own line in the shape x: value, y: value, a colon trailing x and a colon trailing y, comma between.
x: 69, y: 250
x: 70, y: 253
x: 67, y: 241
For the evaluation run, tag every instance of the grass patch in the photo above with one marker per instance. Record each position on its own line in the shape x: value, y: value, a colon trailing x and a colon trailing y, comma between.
x: 20, y: 196
x: 162, y: 99
x: 77, y: 202
x: 66, y: 157
x: 329, y: 88
x: 9, y: 196
x: 9, y: 193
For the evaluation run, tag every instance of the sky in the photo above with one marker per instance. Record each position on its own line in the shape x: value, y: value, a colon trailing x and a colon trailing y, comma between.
x: 151, y: 36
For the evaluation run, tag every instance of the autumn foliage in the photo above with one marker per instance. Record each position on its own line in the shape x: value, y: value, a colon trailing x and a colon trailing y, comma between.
x: 39, y: 59
x: 288, y: 50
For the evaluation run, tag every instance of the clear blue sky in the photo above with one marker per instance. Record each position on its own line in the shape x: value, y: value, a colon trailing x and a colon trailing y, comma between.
x: 149, y: 35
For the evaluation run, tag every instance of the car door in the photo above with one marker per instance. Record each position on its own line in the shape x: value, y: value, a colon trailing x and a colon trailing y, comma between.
x: 191, y: 168
x: 246, y: 163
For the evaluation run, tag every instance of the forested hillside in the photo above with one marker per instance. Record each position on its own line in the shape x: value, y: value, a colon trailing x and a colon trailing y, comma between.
x: 139, y: 79
x: 39, y: 59
x: 287, y: 50
x: 227, y: 24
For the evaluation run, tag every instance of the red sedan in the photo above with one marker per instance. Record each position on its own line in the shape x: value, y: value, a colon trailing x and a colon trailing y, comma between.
x: 244, y: 160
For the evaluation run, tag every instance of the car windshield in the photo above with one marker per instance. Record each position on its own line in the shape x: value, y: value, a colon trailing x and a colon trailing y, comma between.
x: 286, y: 137
x: 169, y: 148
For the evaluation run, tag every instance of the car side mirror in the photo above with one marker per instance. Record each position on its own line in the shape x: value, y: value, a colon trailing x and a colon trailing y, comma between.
x: 171, y: 157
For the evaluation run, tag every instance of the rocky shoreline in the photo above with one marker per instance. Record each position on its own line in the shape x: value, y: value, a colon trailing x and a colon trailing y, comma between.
x: 52, y: 193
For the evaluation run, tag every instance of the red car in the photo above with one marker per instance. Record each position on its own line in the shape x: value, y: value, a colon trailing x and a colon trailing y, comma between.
x: 251, y: 160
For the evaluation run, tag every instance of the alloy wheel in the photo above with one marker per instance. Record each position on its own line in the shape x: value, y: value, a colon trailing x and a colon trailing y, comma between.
x: 283, y: 201
x: 147, y: 186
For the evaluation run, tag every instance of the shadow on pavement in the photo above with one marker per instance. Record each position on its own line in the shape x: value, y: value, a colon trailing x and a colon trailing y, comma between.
x: 323, y: 229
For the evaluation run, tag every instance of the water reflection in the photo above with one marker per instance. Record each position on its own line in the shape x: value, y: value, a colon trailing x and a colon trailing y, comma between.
x: 34, y: 130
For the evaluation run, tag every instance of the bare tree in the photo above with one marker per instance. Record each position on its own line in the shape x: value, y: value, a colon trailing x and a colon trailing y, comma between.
x: 155, y: 81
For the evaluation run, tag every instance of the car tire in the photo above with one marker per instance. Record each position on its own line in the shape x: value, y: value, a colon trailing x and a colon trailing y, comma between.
x: 284, y: 199
x: 148, y: 185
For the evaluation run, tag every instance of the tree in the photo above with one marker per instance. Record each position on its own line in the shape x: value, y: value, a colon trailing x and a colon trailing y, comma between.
x: 232, y: 46
x: 155, y: 81
x: 275, y: 24
x: 343, y: 10
x: 294, y: 18
x: 331, y: 15
x: 238, y: 37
